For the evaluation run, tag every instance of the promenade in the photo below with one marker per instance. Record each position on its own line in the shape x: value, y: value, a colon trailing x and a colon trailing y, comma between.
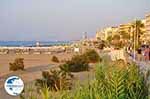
x: 144, y: 65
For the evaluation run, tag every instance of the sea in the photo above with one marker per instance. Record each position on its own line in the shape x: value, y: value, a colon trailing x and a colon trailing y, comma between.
x: 31, y: 43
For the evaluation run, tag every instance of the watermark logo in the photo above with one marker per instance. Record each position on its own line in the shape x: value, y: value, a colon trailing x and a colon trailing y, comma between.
x: 14, y: 85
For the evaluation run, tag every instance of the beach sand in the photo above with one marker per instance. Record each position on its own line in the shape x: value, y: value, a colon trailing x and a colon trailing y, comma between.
x: 30, y: 60
x: 34, y: 64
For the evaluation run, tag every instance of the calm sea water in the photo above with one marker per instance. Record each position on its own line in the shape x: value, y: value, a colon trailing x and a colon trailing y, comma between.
x: 31, y: 43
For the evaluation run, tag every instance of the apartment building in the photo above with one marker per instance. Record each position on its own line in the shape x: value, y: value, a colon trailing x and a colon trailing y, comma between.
x: 103, y: 34
x: 147, y: 26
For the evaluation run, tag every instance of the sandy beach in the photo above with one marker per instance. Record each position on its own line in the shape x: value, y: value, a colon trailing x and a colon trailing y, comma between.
x: 34, y: 64
x: 31, y: 61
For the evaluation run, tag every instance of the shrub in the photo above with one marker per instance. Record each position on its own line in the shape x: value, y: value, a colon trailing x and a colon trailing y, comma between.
x: 18, y: 64
x: 77, y: 63
x: 65, y: 70
x: 127, y: 83
x: 80, y: 62
x: 55, y: 59
x: 92, y: 56
x: 55, y: 80
x: 112, y: 83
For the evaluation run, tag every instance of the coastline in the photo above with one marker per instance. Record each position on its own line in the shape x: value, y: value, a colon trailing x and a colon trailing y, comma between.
x: 32, y: 50
x: 32, y: 43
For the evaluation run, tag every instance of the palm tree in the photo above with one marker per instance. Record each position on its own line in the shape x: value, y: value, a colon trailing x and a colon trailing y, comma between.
x: 137, y: 26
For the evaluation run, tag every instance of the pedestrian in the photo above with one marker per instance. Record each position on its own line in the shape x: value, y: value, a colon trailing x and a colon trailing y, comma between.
x: 149, y: 53
x: 139, y: 54
x: 146, y: 53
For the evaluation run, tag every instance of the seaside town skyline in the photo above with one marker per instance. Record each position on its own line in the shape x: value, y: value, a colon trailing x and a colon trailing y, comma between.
x: 74, y: 49
x: 101, y: 33
x: 49, y: 20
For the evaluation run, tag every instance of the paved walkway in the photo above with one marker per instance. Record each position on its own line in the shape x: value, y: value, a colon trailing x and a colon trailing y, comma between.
x: 144, y: 66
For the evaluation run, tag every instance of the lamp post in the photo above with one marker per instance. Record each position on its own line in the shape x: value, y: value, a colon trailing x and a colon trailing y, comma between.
x: 134, y: 34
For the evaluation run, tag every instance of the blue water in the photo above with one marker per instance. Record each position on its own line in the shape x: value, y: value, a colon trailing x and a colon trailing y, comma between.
x: 31, y: 43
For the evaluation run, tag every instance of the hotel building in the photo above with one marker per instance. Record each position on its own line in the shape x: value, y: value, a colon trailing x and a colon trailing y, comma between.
x: 147, y: 26
x: 106, y: 32
x: 125, y: 28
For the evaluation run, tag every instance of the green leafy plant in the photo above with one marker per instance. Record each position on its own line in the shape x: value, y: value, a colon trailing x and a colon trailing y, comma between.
x: 119, y: 83
x: 55, y: 80
x: 45, y: 92
x: 29, y: 92
x: 112, y: 82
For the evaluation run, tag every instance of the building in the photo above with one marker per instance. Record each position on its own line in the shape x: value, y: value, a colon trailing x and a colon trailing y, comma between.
x: 125, y: 28
x: 143, y: 37
x: 84, y: 37
x: 147, y: 26
x: 106, y: 32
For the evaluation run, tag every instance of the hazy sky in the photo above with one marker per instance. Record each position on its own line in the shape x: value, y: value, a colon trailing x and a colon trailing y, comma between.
x: 64, y: 19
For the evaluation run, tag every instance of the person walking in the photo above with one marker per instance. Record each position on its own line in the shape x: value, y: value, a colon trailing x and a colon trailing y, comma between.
x: 149, y: 53
x: 139, y: 54
x: 146, y: 53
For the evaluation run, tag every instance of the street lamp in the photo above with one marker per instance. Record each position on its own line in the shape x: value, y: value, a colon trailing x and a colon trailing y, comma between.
x: 134, y: 34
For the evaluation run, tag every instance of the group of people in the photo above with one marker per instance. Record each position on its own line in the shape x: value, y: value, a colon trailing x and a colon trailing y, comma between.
x: 141, y: 54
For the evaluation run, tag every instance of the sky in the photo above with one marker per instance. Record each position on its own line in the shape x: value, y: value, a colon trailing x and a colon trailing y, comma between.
x: 50, y: 20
